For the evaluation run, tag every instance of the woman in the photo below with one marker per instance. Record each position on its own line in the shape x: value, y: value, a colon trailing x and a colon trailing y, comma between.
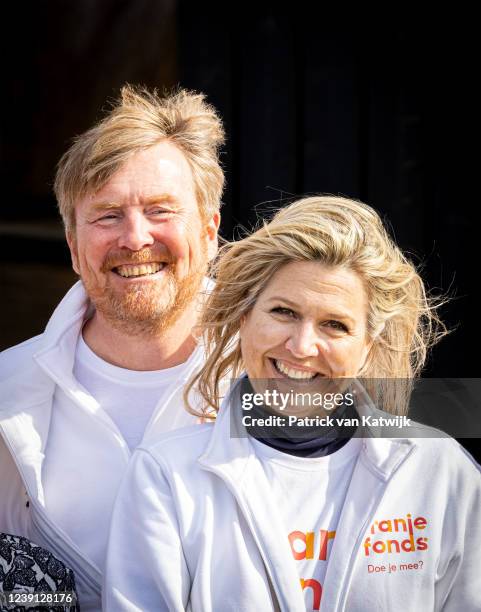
x: 213, y: 519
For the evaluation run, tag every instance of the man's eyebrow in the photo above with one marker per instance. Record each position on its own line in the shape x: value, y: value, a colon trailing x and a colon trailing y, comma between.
x: 158, y: 198
x: 107, y: 205
x: 153, y: 199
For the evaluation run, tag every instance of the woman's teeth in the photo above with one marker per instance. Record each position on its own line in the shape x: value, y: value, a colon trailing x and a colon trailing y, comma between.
x: 129, y: 270
x: 292, y: 373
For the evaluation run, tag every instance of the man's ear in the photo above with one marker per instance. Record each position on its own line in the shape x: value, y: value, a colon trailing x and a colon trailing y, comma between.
x: 72, y: 245
x: 211, y: 235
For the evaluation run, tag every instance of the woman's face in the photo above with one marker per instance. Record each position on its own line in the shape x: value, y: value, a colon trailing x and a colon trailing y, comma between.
x: 309, y: 322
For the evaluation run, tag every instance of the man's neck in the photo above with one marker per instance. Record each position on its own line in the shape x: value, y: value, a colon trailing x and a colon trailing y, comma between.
x: 157, y: 352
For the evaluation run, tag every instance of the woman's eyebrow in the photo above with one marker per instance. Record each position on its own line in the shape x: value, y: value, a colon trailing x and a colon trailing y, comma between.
x: 279, y: 298
x: 329, y: 315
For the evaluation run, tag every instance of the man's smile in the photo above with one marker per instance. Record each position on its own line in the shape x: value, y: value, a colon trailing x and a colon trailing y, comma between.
x: 136, y: 270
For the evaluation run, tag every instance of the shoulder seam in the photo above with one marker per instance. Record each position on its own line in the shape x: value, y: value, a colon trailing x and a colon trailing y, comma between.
x: 197, y: 430
x: 27, y: 342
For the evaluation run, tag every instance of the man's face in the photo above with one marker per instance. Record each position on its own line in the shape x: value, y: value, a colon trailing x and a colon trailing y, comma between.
x: 140, y: 244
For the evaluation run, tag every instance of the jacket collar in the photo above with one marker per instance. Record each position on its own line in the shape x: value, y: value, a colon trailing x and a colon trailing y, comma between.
x: 57, y: 353
x: 29, y: 387
x: 381, y: 455
x: 59, y: 340
x: 70, y: 311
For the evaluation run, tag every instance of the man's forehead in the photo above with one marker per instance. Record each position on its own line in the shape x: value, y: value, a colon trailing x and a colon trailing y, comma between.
x: 148, y: 177
x: 153, y: 168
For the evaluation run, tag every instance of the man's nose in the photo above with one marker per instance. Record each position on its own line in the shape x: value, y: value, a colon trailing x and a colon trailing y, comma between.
x: 304, y: 341
x: 135, y: 232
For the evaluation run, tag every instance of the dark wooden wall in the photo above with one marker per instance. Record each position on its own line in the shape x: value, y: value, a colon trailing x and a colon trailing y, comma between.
x: 378, y: 103
x: 381, y: 104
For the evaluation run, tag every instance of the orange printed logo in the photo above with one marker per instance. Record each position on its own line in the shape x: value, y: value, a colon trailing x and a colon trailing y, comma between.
x: 403, y: 538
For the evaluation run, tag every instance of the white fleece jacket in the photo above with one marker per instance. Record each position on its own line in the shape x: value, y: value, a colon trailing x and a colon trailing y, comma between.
x: 32, y: 374
x: 194, y: 527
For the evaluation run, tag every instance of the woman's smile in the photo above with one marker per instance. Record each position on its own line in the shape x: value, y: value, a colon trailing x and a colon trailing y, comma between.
x: 295, y: 372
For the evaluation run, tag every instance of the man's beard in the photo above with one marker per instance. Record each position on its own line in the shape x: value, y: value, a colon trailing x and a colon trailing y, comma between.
x: 147, y: 308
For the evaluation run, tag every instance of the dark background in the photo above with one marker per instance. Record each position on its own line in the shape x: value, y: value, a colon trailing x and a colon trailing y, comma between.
x: 375, y: 102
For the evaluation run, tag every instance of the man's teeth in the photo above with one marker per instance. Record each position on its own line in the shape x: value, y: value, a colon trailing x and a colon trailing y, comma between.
x: 130, y: 270
x: 291, y: 373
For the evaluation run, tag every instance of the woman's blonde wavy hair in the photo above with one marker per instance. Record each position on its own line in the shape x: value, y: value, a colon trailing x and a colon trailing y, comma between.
x: 402, y: 319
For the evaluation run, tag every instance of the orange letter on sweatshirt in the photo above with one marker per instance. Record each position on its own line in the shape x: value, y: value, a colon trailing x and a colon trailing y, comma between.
x: 316, y: 591
x: 307, y: 539
x: 325, y: 536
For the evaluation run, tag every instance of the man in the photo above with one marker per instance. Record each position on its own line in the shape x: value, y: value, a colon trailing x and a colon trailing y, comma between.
x: 139, y: 195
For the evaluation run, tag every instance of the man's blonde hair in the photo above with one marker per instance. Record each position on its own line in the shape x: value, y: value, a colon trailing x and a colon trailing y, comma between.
x: 138, y: 120
x: 402, y: 319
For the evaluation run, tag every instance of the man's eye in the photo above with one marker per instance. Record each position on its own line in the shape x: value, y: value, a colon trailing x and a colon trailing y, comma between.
x: 159, y: 211
x: 108, y: 217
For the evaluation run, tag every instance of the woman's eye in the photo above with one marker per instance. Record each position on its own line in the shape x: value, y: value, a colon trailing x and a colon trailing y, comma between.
x: 337, y: 325
x: 287, y: 312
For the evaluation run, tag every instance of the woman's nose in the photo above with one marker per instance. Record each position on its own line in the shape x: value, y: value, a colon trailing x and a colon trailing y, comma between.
x: 304, y: 341
x: 135, y: 232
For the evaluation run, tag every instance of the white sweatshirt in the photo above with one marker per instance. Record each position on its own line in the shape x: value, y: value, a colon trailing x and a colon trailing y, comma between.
x: 195, y: 527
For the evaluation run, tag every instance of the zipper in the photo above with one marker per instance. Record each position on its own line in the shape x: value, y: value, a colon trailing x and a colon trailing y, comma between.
x: 61, y: 552
x: 265, y: 559
x: 352, y: 560
x: 164, y: 402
